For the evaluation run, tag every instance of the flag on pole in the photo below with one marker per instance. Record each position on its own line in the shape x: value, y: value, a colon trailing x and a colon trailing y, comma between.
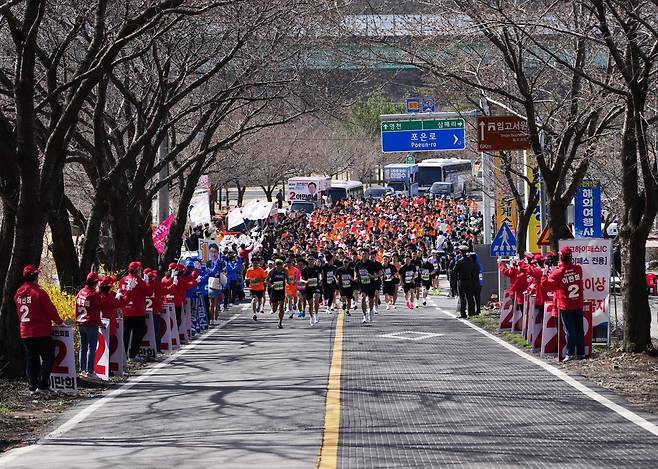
x: 161, y: 232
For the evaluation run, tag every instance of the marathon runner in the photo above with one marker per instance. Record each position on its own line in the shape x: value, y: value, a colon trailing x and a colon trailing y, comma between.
x: 390, y: 281
x: 312, y: 279
x: 408, y: 277
x: 277, y: 280
x: 329, y: 288
x: 255, y: 278
x: 345, y: 275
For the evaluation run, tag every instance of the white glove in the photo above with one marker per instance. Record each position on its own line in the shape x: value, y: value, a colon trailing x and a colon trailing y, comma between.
x: 197, y: 264
x: 146, y: 279
x: 175, y: 280
x: 118, y: 296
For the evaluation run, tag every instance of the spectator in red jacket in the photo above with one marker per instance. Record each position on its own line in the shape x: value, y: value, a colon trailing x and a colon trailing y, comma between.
x: 518, y: 280
x: 135, y: 289
x: 36, y: 314
x: 160, y: 291
x: 534, y: 270
x: 567, y: 283
x: 177, y: 288
x: 88, y: 306
x: 111, y: 301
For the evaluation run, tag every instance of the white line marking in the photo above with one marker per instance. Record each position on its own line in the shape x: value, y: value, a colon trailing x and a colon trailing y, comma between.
x: 87, y: 411
x: 595, y: 396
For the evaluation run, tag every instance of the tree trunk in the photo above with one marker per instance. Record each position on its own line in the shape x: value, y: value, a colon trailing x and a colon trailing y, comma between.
x: 172, y: 250
x: 522, y: 231
x: 6, y: 238
x: 64, y: 252
x: 558, y: 222
x: 635, y: 300
x: 94, y: 222
x: 269, y: 191
x: 241, y: 191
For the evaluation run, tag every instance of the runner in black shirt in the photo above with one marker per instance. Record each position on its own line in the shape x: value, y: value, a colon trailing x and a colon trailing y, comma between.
x: 377, y: 283
x: 311, y: 278
x: 345, y: 276
x: 366, y: 271
x: 390, y: 280
x: 329, y: 282
x: 277, y: 282
x: 408, y: 278
x: 417, y: 261
x: 426, y: 269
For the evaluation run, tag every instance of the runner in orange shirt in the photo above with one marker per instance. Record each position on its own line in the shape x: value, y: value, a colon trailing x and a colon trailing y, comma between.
x: 292, y: 281
x: 255, y: 278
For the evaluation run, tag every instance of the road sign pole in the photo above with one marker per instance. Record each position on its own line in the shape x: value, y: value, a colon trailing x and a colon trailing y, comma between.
x: 486, y: 198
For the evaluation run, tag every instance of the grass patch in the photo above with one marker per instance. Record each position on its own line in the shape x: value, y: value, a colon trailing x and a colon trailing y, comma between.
x: 4, y: 409
x: 488, y: 320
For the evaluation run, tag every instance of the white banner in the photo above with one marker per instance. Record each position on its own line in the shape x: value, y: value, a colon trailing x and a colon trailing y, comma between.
x: 235, y: 218
x: 62, y: 375
x: 594, y: 255
x: 199, y: 209
x: 102, y: 362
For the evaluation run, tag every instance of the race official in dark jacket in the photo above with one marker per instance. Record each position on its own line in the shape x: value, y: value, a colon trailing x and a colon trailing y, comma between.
x: 463, y: 274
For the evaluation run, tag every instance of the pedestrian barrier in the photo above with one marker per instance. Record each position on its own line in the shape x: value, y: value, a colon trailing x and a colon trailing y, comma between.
x: 117, y: 352
x: 549, y: 336
x: 165, y: 327
x: 102, y: 359
x: 506, y: 311
x: 517, y: 318
x: 537, y: 326
x: 529, y: 317
x: 148, y: 347
x: 525, y: 314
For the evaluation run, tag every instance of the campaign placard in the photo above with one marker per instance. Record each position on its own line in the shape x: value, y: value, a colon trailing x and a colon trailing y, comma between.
x: 148, y: 346
x: 167, y: 313
x: 595, y: 257
x: 102, y: 361
x: 62, y: 375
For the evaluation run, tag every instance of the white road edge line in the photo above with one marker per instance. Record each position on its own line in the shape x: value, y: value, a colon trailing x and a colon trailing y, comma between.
x: 595, y: 396
x: 87, y: 411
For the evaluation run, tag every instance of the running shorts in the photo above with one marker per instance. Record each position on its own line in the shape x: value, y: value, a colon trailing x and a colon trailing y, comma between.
x: 407, y: 287
x: 257, y: 293
x: 389, y: 288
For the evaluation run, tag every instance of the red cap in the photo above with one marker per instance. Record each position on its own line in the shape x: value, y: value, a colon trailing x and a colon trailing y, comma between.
x: 147, y: 270
x: 172, y: 266
x: 133, y: 266
x: 152, y: 274
x: 30, y: 269
x: 92, y: 277
x: 180, y: 267
x: 565, y: 251
x: 537, y: 258
x: 108, y: 281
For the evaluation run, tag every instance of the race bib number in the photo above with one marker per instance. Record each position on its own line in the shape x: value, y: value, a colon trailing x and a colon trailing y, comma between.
x: 278, y: 285
x: 330, y: 277
x: 365, y: 276
x: 312, y: 282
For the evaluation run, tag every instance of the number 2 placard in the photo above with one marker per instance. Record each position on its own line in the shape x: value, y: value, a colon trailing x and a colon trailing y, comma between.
x: 62, y: 377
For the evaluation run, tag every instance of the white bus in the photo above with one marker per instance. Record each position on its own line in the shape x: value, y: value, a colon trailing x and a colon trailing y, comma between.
x: 340, y: 190
x: 457, y: 171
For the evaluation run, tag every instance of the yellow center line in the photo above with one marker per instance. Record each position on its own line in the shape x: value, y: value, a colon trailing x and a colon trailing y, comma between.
x: 329, y: 450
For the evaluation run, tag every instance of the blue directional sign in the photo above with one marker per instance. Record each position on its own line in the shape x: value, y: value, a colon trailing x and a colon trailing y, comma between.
x: 504, y: 244
x: 429, y: 105
x: 587, y: 210
x: 413, y: 105
x: 423, y: 135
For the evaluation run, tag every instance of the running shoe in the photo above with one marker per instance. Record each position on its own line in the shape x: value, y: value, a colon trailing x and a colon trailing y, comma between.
x: 348, y: 313
x: 364, y: 320
x: 310, y: 320
x: 317, y: 318
x: 424, y: 303
x: 300, y: 314
x: 388, y: 307
x: 410, y: 305
x: 255, y: 318
x: 280, y: 326
x: 291, y: 315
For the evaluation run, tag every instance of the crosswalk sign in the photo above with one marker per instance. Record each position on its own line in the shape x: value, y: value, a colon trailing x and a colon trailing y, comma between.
x: 504, y: 244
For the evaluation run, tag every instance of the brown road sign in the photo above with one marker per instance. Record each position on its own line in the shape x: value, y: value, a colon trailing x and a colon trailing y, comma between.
x: 502, y: 133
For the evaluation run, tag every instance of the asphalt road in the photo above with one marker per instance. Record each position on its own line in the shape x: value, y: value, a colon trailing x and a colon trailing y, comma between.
x: 419, y: 389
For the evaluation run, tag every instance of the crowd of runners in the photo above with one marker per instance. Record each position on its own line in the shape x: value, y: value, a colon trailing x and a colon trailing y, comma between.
x: 357, y: 253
